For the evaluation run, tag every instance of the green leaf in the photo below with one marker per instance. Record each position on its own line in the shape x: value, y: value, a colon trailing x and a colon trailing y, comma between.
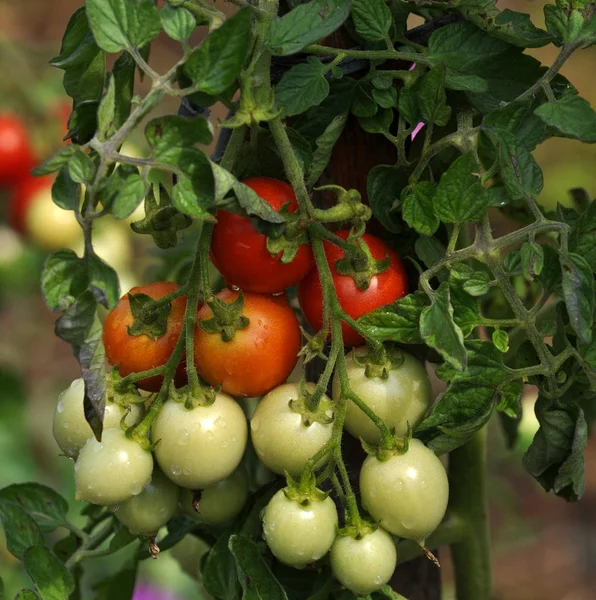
x: 432, y: 98
x: 363, y: 104
x: 516, y: 28
x: 324, y: 147
x: 464, y: 83
x: 501, y: 340
x: 551, y: 275
x: 459, y: 412
x: 384, y: 185
x: 170, y: 131
x: 397, y: 322
x: 63, y: 279
x: 106, y: 112
x: 26, y: 594
x: 385, y: 98
x: 572, y: 117
x: 466, y: 310
x: 532, y: 259
x: 103, y: 281
x: 305, y: 24
x: 80, y: 326
x: 478, y: 284
x: 430, y: 251
x: 216, y: 64
x: 372, y: 19
x: 521, y: 174
x: 255, y: 576
x: 578, y: 292
x: 118, y: 585
x: 121, y: 24
x: 418, y: 208
x: 130, y: 195
x: 177, y: 22
x: 220, y: 577
x: 460, y: 194
x: 55, y: 161
x: 66, y: 193
x: 20, y: 529
x: 439, y: 331
x: 45, y: 506
x: 582, y: 239
x: 81, y: 167
x: 124, y: 81
x: 52, y: 579
x: 303, y: 86
x: 556, y: 456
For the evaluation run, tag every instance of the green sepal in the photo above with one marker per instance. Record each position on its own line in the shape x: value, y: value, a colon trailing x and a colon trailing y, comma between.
x: 123, y: 397
x: 314, y: 346
x: 361, y: 266
x: 293, y: 236
x: 192, y: 398
x: 323, y: 414
x: 358, y: 530
x: 378, y: 362
x: 149, y: 321
x: 227, y: 318
x: 400, y: 446
x: 349, y: 207
x: 304, y: 493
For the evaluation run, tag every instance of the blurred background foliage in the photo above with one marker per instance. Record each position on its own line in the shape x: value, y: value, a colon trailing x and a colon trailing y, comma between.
x: 543, y: 548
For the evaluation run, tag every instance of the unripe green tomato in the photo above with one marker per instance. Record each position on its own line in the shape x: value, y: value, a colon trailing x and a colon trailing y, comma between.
x: 146, y: 513
x: 280, y: 438
x: 299, y: 534
x: 406, y: 494
x: 188, y: 552
x: 70, y: 428
x: 402, y: 398
x: 201, y: 446
x: 113, y: 470
x: 219, y: 502
x: 364, y: 565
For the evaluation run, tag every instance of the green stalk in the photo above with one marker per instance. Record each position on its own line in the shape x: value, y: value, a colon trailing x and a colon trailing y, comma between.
x: 468, y: 502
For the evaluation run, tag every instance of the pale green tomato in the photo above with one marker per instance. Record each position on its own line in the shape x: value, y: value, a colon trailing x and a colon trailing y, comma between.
x: 112, y: 243
x: 188, y: 552
x: 365, y: 565
x: 146, y: 513
x: 113, y: 470
x: 280, y: 438
x: 71, y: 430
x: 200, y: 446
x: 299, y: 535
x: 219, y: 502
x: 402, y: 398
x: 406, y: 494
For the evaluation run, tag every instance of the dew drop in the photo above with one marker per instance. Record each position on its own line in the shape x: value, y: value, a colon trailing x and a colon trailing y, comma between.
x: 407, y: 524
x: 183, y: 439
x: 255, y: 424
x: 65, y: 425
x: 271, y: 526
x: 317, y: 555
x: 60, y: 406
x: 301, y: 552
x: 114, y: 508
x: 90, y: 486
x: 220, y: 422
x: 136, y: 488
x: 233, y: 438
x: 210, y: 435
x: 176, y: 470
x: 378, y: 580
x: 77, y: 466
x: 225, y: 444
x: 187, y: 471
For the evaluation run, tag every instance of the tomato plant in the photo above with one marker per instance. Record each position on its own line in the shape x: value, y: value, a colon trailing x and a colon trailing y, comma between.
x: 460, y: 106
x: 240, y: 252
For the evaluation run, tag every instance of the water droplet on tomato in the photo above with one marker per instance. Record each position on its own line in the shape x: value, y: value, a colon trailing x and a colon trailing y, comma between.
x: 176, y: 470
x: 136, y: 488
x: 255, y: 424
x: 183, y: 439
x: 60, y: 406
x: 220, y: 422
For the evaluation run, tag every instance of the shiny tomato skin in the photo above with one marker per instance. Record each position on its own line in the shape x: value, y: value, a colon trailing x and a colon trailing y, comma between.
x: 258, y: 358
x: 134, y: 354
x: 384, y: 287
x: 240, y: 252
x: 16, y: 155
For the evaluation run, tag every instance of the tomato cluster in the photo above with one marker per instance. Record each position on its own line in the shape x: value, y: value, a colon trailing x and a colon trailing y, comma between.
x: 246, y: 343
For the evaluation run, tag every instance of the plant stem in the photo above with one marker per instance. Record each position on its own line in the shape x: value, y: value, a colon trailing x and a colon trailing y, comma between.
x: 368, y: 54
x: 89, y: 546
x: 232, y: 150
x: 468, y: 502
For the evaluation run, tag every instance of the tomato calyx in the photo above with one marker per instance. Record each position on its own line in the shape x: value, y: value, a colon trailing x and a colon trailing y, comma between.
x: 378, y: 362
x: 304, y: 493
x: 314, y: 346
x: 322, y: 414
x: 349, y: 207
x: 150, y: 317
x: 227, y: 317
x: 360, y: 264
x: 358, y: 530
x: 123, y: 395
x: 201, y: 396
x: 289, y: 241
x: 397, y: 446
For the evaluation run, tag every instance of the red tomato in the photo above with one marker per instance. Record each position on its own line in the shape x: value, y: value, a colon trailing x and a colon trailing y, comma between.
x: 258, y: 358
x: 240, y: 252
x: 384, y: 288
x: 16, y: 154
x: 136, y: 353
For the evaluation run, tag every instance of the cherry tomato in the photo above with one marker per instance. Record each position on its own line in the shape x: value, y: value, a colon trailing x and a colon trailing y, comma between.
x: 259, y: 357
x: 299, y: 533
x: 200, y: 446
x: 71, y: 430
x: 406, y: 494
x: 149, y: 511
x: 16, y: 154
x: 384, y: 287
x: 240, y: 252
x: 136, y: 353
x: 33, y: 213
x: 113, y: 470
x: 365, y: 564
x: 402, y: 398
